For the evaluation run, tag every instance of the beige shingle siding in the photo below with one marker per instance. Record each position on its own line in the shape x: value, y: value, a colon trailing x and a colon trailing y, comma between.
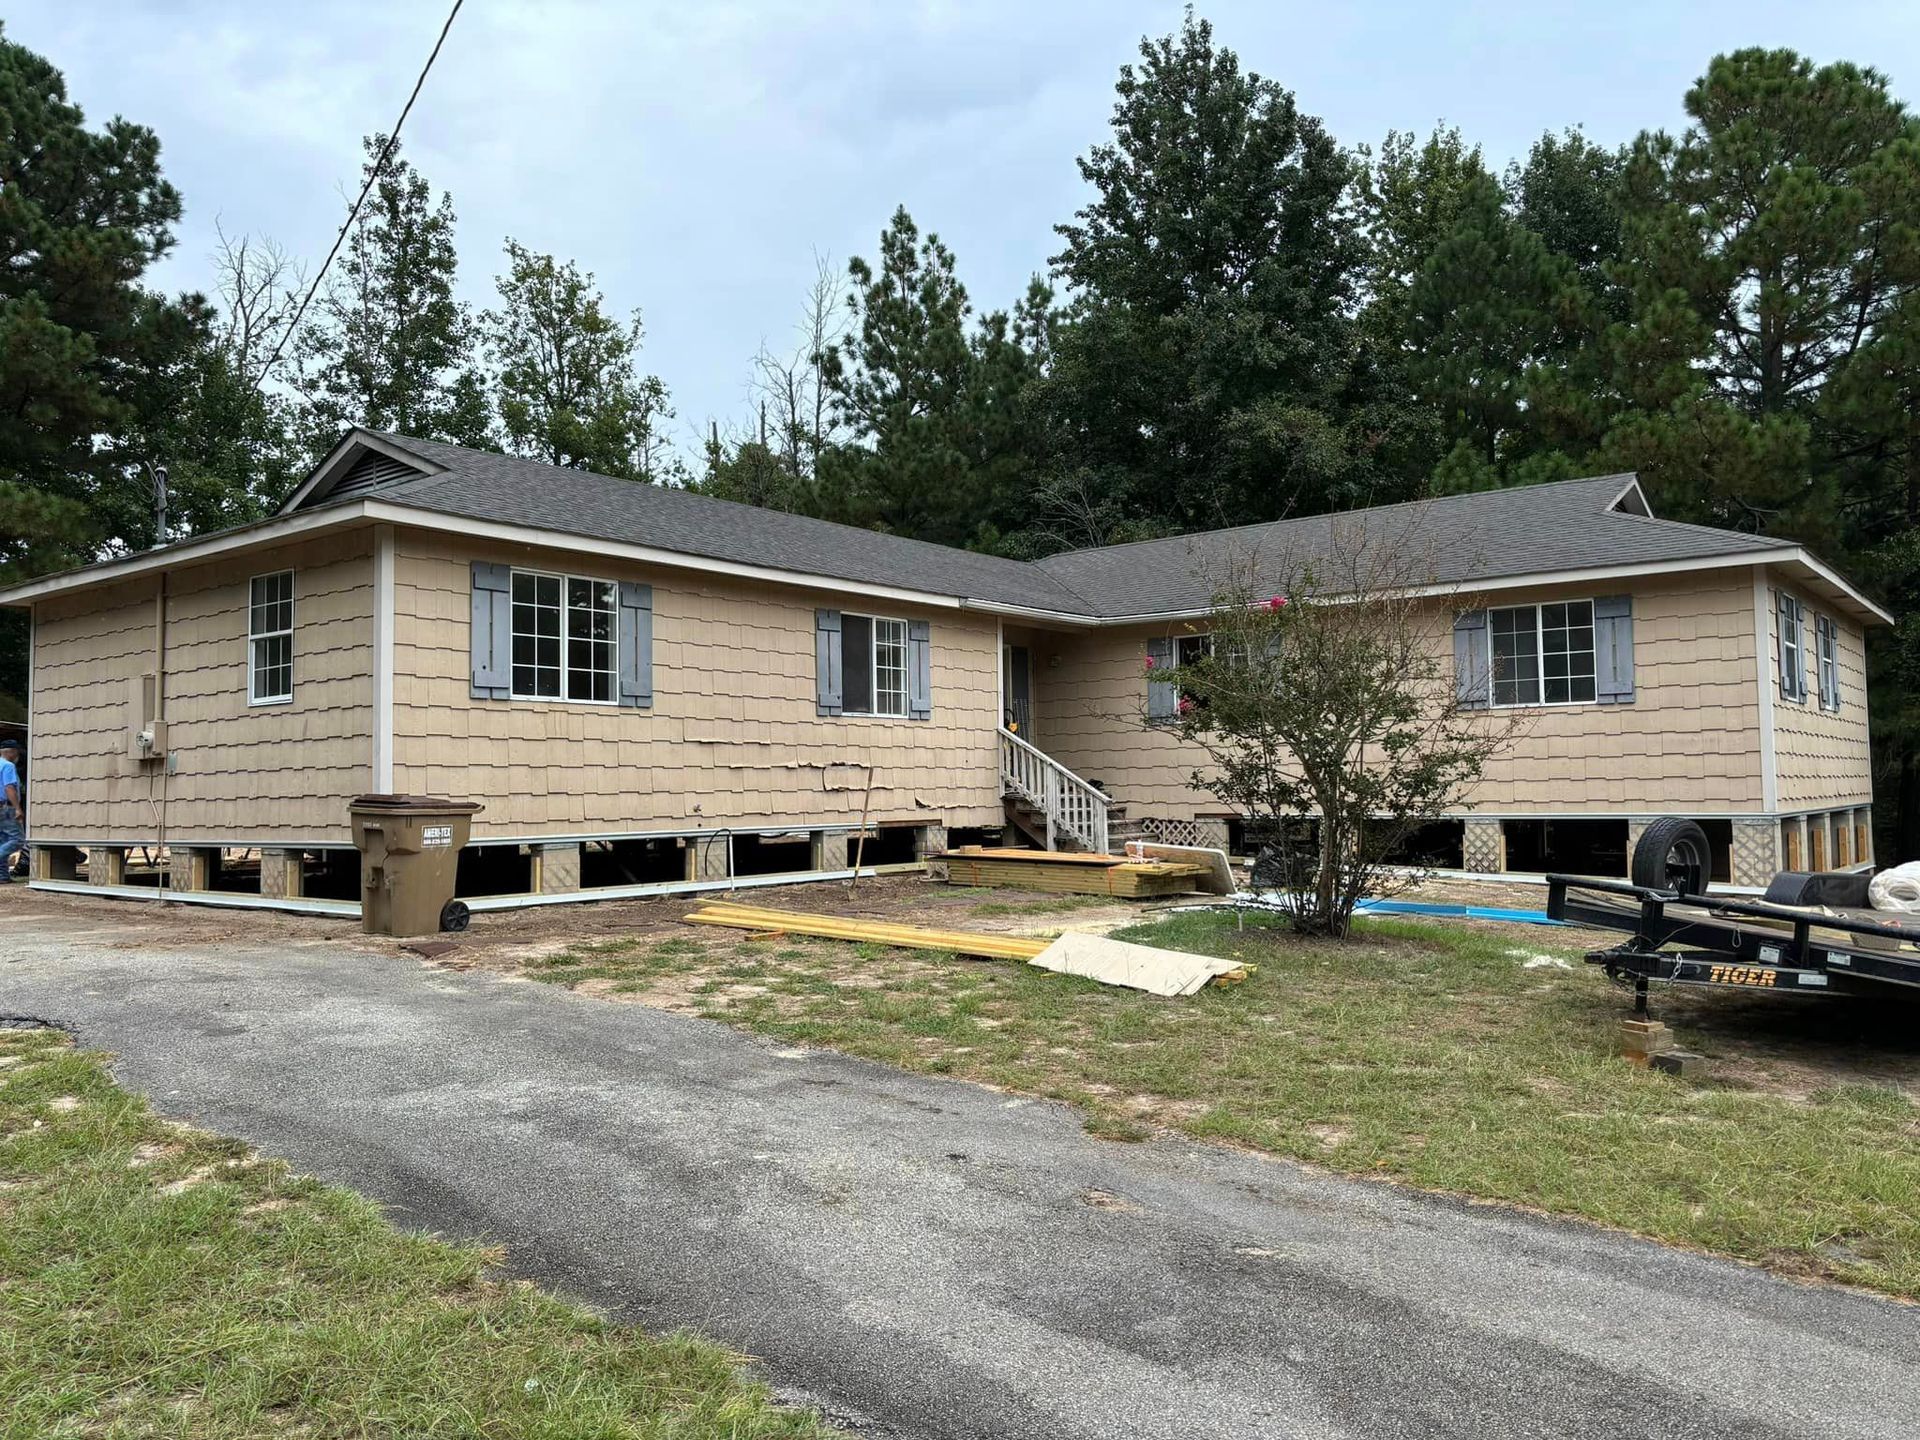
x: 240, y: 773
x: 732, y: 729
x: 1820, y: 756
x: 1690, y: 741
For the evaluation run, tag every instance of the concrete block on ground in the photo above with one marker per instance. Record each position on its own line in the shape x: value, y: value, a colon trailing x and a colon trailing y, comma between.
x: 1682, y: 1063
x: 107, y: 865
x: 559, y: 868
x: 282, y: 874
x: 929, y: 840
x: 57, y: 862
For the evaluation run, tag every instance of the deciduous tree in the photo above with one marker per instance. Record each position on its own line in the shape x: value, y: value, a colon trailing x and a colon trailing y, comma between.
x: 1326, y: 707
x: 567, y: 380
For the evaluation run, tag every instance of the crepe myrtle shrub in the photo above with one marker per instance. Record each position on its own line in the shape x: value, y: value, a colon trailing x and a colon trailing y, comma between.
x: 1324, y: 699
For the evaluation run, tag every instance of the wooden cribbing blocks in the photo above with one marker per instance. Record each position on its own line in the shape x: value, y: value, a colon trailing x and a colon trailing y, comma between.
x: 1642, y: 1039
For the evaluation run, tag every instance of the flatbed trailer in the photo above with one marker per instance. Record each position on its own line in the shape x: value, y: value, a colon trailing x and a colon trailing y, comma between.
x: 1741, y: 944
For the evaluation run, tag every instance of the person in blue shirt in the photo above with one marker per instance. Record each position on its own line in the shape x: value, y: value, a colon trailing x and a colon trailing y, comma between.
x: 13, y: 808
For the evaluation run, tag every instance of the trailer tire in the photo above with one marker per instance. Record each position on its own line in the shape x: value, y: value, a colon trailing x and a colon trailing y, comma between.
x: 1673, y: 854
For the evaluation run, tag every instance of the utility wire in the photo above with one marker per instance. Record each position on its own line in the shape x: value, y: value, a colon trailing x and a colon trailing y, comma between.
x: 373, y: 174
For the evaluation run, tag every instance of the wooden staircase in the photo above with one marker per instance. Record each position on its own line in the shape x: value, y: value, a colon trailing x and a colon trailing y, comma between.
x: 1052, y: 806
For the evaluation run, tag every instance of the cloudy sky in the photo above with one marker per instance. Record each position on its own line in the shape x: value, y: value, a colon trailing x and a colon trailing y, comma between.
x: 696, y: 155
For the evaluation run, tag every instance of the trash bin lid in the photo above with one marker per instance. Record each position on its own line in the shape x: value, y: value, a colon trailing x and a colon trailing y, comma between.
x: 412, y: 802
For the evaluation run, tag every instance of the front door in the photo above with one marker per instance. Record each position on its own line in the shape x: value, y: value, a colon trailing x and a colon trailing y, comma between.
x: 1017, y: 686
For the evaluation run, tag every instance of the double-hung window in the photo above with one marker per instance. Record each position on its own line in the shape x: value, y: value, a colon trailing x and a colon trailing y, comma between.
x: 270, y: 639
x: 1792, y: 620
x: 1542, y: 654
x: 1827, y: 660
x: 566, y: 633
x: 874, y: 665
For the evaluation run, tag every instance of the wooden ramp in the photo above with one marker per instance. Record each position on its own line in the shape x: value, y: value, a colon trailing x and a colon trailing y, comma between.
x: 1064, y: 873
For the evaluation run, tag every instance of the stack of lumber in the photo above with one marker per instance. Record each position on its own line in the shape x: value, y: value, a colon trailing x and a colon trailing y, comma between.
x: 1094, y: 957
x: 1074, y: 874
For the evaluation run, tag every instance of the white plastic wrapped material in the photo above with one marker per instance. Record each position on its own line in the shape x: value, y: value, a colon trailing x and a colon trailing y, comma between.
x: 1896, y: 888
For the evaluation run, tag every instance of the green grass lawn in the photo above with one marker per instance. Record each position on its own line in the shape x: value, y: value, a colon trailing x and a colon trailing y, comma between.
x: 1430, y: 1055
x: 159, y: 1281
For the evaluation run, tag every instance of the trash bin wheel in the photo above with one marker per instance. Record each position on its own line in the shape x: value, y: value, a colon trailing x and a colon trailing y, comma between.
x: 1673, y: 854
x: 455, y: 917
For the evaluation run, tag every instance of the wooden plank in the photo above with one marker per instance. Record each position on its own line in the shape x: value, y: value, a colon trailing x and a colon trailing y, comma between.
x: 838, y: 927
x: 1040, y: 857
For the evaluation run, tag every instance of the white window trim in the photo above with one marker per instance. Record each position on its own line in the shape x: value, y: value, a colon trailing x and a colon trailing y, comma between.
x: 1540, y: 656
x: 1826, y: 658
x: 562, y: 698
x: 253, y: 650
x: 874, y: 622
x: 1797, y: 695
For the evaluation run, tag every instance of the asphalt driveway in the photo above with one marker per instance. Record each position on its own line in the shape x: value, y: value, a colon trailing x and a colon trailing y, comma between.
x: 927, y: 1258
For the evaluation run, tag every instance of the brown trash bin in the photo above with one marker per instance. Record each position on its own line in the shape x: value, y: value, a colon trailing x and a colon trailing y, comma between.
x: 409, y: 853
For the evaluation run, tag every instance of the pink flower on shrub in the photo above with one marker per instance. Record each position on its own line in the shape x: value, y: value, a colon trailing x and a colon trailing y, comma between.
x: 1186, y: 705
x: 1149, y: 662
x: 1278, y: 602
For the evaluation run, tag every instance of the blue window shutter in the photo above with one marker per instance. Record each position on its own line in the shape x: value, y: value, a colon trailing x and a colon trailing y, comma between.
x: 492, y: 638
x: 1613, y: 649
x: 1791, y: 645
x: 1163, y: 696
x: 1833, y: 638
x: 826, y: 661
x: 919, y: 670
x: 1471, y: 682
x: 636, y: 644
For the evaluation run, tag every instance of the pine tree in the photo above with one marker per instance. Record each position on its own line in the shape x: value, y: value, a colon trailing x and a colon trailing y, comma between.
x: 933, y: 402
x: 1491, y: 308
x: 1757, y: 252
x: 83, y: 214
x: 1202, y: 376
x: 389, y: 346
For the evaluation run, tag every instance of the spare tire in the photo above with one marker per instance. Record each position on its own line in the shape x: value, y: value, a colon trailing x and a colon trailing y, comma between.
x: 1672, y: 854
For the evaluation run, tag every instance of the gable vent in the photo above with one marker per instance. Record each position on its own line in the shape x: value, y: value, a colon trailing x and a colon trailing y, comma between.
x: 370, y: 470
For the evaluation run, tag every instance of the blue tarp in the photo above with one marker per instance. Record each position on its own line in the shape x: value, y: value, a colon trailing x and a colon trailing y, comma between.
x: 1455, y: 912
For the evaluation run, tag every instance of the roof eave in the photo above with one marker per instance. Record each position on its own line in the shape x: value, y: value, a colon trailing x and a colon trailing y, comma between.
x: 187, y: 552
x: 1864, y: 608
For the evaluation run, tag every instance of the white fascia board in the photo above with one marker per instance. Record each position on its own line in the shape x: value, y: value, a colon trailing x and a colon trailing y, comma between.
x: 1832, y: 577
x: 342, y: 456
x: 1069, y: 618
x: 1632, y: 487
x: 187, y: 552
x: 1785, y: 555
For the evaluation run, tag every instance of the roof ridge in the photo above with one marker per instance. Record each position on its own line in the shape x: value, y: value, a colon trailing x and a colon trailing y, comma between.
x: 1357, y: 510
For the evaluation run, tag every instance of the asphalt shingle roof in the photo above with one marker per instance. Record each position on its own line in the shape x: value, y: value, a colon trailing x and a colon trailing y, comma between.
x: 482, y: 485
x: 1462, y: 539
x: 1452, y: 540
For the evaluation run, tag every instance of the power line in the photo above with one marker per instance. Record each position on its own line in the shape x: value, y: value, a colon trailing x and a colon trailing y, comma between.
x: 373, y: 174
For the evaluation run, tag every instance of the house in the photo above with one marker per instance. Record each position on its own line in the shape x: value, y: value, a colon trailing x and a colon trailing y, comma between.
x: 647, y: 686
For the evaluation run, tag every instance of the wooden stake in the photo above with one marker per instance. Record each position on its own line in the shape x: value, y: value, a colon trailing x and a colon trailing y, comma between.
x: 860, y: 840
